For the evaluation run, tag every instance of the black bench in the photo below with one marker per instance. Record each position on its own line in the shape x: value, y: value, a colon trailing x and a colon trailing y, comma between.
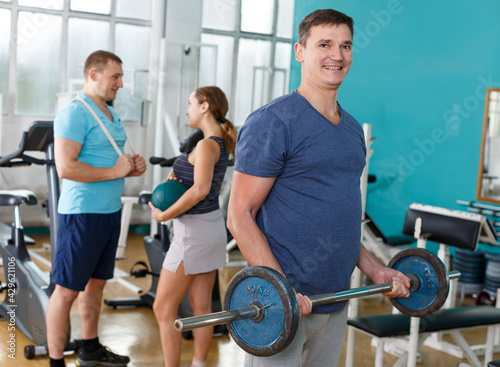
x: 392, y: 325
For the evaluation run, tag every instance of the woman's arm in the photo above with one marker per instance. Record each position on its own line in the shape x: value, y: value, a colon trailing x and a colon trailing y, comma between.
x: 206, y: 156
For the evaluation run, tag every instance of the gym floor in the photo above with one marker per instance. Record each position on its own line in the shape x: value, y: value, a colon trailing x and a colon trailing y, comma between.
x: 134, y: 332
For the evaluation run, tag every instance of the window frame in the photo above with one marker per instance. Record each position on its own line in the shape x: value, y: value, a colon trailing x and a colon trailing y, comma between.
x: 237, y: 35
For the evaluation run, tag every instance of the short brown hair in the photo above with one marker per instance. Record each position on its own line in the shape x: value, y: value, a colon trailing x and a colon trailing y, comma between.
x: 98, y: 60
x: 320, y: 17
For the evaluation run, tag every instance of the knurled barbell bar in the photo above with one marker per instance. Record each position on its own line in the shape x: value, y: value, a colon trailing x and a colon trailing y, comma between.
x: 262, y: 312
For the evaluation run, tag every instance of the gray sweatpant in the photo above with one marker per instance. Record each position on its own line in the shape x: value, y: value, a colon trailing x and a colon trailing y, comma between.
x: 318, y: 343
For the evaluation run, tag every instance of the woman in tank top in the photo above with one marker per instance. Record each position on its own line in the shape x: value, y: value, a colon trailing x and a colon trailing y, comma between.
x: 198, y: 247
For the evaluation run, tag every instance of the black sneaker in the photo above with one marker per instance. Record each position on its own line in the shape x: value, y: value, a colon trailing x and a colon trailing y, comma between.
x: 101, y: 357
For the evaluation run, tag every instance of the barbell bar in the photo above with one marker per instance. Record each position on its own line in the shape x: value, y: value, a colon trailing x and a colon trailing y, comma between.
x: 254, y: 311
x: 262, y: 312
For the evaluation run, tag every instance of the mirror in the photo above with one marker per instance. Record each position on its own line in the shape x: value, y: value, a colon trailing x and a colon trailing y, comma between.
x: 488, y: 186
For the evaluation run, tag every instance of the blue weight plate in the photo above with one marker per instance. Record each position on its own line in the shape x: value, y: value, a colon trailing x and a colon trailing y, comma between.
x: 469, y: 253
x: 493, y: 269
x: 493, y: 265
x: 470, y: 274
x: 471, y: 288
x: 493, y: 257
x: 471, y: 271
x: 472, y: 259
x: 434, y: 279
x: 267, y: 288
x: 492, y: 283
x: 492, y: 274
x: 469, y: 264
x: 490, y: 288
x: 471, y: 280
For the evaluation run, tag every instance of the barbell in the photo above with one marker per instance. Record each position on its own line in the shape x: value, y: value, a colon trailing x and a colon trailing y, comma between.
x: 262, y: 311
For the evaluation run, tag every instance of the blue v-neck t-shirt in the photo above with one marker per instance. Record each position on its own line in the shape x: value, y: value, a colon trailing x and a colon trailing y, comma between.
x: 312, y: 216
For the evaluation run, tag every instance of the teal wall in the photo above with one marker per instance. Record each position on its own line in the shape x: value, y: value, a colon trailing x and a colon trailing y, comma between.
x: 419, y: 76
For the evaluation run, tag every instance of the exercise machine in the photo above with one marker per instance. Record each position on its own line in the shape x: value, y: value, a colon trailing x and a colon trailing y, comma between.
x: 28, y: 287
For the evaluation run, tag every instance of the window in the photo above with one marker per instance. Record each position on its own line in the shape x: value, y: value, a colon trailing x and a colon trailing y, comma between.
x: 257, y: 16
x: 259, y: 32
x: 254, y: 62
x: 133, y: 9
x: 220, y: 15
x: 37, y: 69
x: 128, y: 106
x: 44, y: 59
x: 45, y: 4
x: 4, y: 55
x: 223, y: 46
x: 84, y: 36
x: 284, y: 26
x: 91, y: 6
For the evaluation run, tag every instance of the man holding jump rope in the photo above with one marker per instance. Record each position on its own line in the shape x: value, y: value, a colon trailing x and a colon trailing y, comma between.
x: 89, y: 139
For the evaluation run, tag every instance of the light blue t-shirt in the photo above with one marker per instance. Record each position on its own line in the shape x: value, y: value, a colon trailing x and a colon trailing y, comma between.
x: 76, y: 123
x: 312, y: 216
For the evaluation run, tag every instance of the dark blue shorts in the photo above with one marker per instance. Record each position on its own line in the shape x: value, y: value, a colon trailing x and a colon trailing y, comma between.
x: 86, y: 248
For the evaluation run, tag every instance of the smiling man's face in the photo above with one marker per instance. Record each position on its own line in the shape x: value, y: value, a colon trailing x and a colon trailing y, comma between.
x: 327, y: 55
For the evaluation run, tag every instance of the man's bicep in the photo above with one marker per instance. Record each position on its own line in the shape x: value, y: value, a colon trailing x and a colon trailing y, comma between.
x: 249, y: 192
x: 66, y: 151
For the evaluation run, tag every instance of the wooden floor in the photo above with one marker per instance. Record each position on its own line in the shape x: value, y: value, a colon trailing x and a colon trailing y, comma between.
x: 134, y: 332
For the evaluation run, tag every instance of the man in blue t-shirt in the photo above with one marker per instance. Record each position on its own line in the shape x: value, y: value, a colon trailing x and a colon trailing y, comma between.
x: 89, y: 208
x: 295, y: 203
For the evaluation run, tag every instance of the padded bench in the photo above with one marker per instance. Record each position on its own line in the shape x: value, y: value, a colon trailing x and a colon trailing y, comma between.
x: 392, y: 325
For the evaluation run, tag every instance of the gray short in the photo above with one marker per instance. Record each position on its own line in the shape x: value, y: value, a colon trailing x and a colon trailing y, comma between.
x: 318, y: 343
x: 199, y: 241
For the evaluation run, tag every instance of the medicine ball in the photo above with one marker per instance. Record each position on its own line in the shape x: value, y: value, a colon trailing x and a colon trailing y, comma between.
x: 167, y: 193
